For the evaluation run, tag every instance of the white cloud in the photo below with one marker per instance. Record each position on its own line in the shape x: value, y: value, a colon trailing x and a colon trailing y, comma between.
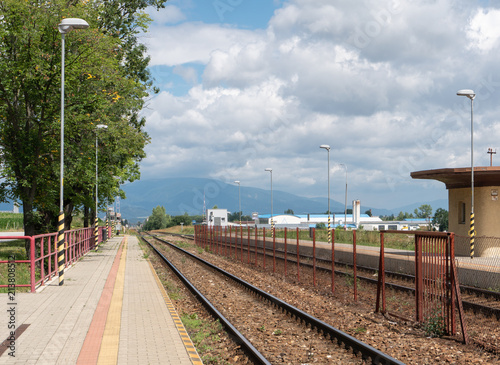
x: 191, y: 42
x: 484, y: 30
x: 384, y: 101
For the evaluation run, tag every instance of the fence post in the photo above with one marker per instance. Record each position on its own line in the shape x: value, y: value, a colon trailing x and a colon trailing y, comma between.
x: 381, y: 276
x: 285, y: 250
x: 298, y: 257
x: 418, y: 279
x: 248, y: 244
x: 333, y: 261
x: 241, y: 243
x: 354, y: 265
x: 314, y: 256
x: 264, y: 246
x: 32, y: 262
x: 256, y: 245
x: 274, y: 249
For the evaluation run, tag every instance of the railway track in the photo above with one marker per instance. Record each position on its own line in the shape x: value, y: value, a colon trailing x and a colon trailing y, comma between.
x: 265, y: 309
x: 477, y: 300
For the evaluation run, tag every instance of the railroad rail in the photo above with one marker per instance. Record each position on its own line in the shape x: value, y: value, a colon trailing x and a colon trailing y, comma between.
x: 247, y: 347
x: 467, y: 304
x: 357, y: 347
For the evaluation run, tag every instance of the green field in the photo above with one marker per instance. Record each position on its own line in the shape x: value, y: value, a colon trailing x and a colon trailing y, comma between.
x: 11, y: 221
x: 14, y: 250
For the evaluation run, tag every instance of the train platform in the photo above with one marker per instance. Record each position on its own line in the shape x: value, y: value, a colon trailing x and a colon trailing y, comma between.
x: 112, y: 309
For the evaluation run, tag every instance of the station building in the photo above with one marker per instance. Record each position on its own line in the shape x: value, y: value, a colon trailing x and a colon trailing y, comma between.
x: 486, y: 206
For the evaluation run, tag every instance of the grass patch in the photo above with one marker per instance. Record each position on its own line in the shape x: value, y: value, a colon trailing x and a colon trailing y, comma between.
x: 11, y: 221
x: 364, y: 238
x: 434, y: 325
x: 14, y: 249
x: 184, y: 244
x: 204, y: 334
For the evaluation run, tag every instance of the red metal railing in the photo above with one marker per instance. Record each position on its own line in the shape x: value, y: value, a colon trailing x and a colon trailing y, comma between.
x: 43, y: 255
x: 435, y: 281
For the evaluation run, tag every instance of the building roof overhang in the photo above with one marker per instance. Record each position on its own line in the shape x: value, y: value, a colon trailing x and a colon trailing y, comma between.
x: 455, y: 178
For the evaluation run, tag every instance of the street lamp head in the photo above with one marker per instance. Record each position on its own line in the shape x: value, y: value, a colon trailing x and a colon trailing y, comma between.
x: 237, y: 182
x: 68, y: 24
x: 467, y: 92
x: 325, y: 146
x: 269, y: 169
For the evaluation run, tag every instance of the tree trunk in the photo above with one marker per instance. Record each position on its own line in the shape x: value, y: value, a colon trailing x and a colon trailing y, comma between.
x: 86, y: 216
x: 29, y: 225
x: 68, y: 215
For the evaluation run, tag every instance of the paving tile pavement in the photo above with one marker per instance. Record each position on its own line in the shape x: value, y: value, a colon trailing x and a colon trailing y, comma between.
x: 59, y: 317
x: 148, y: 333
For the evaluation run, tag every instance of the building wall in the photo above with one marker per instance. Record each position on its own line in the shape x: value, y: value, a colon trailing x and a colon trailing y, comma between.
x: 486, y: 216
x: 217, y: 217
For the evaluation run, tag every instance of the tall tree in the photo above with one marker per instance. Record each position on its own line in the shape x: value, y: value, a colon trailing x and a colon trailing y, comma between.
x: 424, y: 211
x: 106, y: 83
x: 441, y: 218
x: 157, y: 220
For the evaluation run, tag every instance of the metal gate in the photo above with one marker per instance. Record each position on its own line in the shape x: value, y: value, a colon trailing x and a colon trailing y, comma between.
x: 436, y: 282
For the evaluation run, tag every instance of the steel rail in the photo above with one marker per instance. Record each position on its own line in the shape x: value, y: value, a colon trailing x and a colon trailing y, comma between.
x: 349, y: 342
x: 249, y: 349
x: 463, y: 288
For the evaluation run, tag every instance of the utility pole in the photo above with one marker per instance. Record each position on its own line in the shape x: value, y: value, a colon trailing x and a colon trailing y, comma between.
x: 492, y: 152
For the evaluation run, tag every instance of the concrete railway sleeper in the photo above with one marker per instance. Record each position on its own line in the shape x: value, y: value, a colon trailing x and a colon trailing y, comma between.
x: 362, y: 351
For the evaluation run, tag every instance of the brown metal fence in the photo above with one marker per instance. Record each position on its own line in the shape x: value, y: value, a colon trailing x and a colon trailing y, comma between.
x: 432, y: 262
x: 436, y: 282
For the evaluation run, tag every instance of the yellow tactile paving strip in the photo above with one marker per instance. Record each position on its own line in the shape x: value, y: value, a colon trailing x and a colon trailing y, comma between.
x: 193, y: 354
x: 108, y: 353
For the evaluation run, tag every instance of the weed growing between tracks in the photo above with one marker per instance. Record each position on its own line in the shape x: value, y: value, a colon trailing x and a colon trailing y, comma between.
x: 203, y: 333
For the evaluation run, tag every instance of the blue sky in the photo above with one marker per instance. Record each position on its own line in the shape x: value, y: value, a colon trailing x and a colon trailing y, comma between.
x: 247, y: 85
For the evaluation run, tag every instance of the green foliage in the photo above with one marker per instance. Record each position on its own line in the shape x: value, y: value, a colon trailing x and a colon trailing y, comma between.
x: 424, y: 211
x: 441, y: 218
x: 178, y: 219
x: 402, y: 216
x: 434, y: 325
x: 106, y: 82
x: 289, y: 211
x: 157, y: 220
x: 235, y: 217
x: 202, y: 333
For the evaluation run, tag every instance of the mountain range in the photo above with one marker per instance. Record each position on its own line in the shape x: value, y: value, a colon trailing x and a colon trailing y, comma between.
x: 190, y: 195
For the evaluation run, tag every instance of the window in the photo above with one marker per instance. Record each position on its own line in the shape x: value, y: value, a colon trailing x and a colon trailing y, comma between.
x: 461, y: 213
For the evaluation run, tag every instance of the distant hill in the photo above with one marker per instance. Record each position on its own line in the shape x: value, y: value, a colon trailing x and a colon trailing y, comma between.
x: 181, y: 195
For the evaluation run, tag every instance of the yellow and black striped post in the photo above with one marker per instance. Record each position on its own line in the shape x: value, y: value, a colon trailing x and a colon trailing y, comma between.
x: 272, y: 228
x: 96, y: 233
x: 60, y: 248
x: 107, y: 227
x: 472, y: 234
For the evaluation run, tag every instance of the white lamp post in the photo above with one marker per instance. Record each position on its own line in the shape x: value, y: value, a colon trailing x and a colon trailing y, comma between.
x: 66, y: 26
x: 471, y: 95
x: 327, y: 148
x: 271, y: 171
x: 239, y: 196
